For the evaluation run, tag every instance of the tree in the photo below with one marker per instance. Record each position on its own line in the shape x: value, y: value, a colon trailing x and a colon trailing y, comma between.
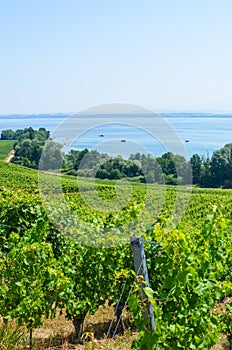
x: 167, y: 164
x: 29, y: 145
x: 114, y: 174
x: 28, y: 133
x: 102, y: 174
x: 196, y: 165
x: 27, y: 153
x: 131, y: 168
x: 221, y: 167
x: 7, y: 135
x: 52, y: 157
x: 206, y: 178
x: 173, y: 167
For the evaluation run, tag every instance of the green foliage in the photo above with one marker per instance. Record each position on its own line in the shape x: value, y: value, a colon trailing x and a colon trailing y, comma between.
x: 23, y: 134
x: 33, y: 279
x: 169, y: 168
x: 29, y: 147
x: 8, y: 135
x: 92, y: 163
x: 196, y: 165
x: 221, y: 167
x: 51, y: 157
x: 14, y: 177
x: 189, y: 275
x: 43, y: 270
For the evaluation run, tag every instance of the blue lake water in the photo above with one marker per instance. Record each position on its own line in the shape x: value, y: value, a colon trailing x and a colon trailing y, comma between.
x: 199, y: 133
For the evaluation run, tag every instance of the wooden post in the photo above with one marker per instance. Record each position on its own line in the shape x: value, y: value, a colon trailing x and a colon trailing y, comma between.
x: 31, y: 339
x: 141, y: 270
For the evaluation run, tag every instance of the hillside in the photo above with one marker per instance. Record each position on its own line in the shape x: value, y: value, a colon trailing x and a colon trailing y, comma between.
x: 194, y: 227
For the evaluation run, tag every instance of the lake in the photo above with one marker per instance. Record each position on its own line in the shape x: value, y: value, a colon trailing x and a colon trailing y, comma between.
x: 200, y: 133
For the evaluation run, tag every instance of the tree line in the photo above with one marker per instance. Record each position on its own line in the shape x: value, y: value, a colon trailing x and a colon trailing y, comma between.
x: 169, y: 168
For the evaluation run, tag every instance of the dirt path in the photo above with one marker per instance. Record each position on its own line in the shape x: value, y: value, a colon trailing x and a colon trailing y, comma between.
x: 51, y: 173
x: 9, y: 157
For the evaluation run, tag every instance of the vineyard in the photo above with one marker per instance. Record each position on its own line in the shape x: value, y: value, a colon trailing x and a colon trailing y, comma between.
x: 62, y: 250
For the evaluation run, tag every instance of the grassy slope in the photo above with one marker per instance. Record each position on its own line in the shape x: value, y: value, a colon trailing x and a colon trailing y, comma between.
x: 5, y: 147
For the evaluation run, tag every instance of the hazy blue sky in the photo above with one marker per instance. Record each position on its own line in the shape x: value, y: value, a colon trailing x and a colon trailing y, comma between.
x: 67, y: 55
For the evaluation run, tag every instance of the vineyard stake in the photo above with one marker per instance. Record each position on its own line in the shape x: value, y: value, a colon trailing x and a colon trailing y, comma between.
x: 31, y: 339
x: 141, y: 270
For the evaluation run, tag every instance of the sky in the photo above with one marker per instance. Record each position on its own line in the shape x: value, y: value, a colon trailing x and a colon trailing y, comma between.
x: 63, y: 56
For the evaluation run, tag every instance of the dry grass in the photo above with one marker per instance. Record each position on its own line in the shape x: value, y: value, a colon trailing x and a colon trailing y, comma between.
x: 58, y: 334
x: 12, y: 337
x: 223, y: 344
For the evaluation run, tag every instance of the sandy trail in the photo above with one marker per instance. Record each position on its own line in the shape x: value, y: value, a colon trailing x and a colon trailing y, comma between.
x: 9, y: 157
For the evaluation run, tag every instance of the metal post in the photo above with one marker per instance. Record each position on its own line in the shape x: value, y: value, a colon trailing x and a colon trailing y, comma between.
x: 141, y: 270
